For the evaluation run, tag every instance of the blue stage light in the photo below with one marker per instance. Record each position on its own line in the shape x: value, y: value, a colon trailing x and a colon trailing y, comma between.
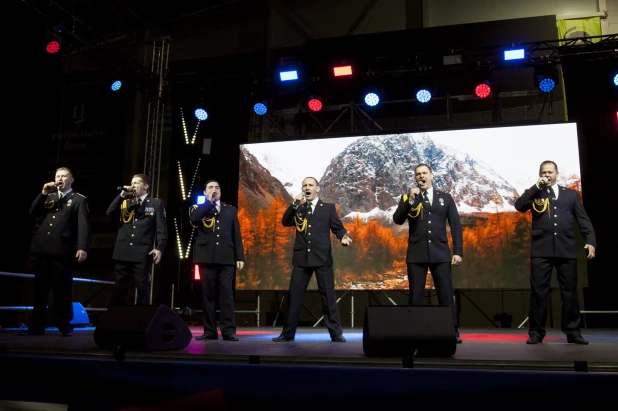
x: 201, y: 114
x: 516, y: 54
x: 288, y: 75
x: 372, y: 99
x: 547, y: 84
x: 116, y: 85
x: 201, y: 199
x: 423, y: 96
x: 616, y: 80
x: 260, y: 109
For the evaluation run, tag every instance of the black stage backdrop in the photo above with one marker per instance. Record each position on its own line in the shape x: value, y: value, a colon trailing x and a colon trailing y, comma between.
x: 592, y: 101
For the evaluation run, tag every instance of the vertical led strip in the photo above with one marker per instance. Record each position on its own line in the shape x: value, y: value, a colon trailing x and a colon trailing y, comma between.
x: 180, y: 255
x: 195, y: 132
x: 189, y: 244
x: 184, y: 126
x: 190, y: 188
x: 182, y: 183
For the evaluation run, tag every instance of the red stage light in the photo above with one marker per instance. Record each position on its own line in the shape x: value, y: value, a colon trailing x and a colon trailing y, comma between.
x: 342, y: 71
x: 53, y: 47
x: 197, y: 272
x: 315, y: 104
x: 482, y: 90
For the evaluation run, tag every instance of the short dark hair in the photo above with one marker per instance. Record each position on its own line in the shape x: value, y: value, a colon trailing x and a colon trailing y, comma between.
x: 317, y: 183
x: 545, y: 163
x: 423, y: 165
x: 145, y: 179
x: 68, y: 170
x: 211, y: 181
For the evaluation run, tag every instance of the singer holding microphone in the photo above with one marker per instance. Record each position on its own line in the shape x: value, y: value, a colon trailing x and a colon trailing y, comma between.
x: 553, y: 244
x: 218, y: 253
x: 314, y: 220
x: 427, y: 211
x: 62, y: 239
x: 143, y: 220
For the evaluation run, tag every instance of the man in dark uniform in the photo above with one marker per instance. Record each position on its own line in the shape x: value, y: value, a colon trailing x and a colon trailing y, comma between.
x: 553, y: 245
x: 427, y: 211
x: 63, y: 237
x: 143, y: 221
x: 218, y: 251
x: 313, y: 219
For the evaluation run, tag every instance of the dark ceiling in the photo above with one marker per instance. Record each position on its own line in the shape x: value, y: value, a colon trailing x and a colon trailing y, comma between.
x: 113, y: 19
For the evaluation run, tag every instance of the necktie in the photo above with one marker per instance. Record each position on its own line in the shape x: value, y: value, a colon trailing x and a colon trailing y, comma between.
x: 218, y: 205
x: 60, y: 195
x: 425, y: 197
x: 552, y: 194
x: 139, y: 201
x: 310, y: 206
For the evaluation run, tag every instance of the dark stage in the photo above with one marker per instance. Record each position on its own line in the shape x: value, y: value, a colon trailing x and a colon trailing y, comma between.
x: 482, y: 349
x: 255, y: 373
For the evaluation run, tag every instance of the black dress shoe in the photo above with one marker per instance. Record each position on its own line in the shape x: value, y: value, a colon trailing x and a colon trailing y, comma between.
x: 341, y: 338
x: 283, y: 338
x: 578, y: 339
x: 230, y: 338
x: 206, y: 337
x: 534, y: 339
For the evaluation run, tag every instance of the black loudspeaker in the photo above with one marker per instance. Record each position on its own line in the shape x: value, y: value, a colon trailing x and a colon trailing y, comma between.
x: 403, y: 331
x: 142, y: 328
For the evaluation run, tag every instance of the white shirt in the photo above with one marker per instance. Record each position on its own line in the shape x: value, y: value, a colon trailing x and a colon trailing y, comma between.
x: 218, y: 205
x: 311, y: 204
x: 555, y: 187
x: 142, y: 198
x: 429, y: 194
x: 64, y: 193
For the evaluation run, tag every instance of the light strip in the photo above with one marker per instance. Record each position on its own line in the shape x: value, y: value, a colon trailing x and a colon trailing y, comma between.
x: 184, y: 126
x: 178, y: 241
x: 182, y: 183
x: 190, y: 188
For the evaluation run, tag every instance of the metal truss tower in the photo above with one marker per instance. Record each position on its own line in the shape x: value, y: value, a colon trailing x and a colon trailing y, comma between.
x: 155, y: 124
x: 156, y: 113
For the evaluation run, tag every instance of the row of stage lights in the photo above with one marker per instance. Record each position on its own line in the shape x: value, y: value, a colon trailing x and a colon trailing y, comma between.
x: 546, y: 82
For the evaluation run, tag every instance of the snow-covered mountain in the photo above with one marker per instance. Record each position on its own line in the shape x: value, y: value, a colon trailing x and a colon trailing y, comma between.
x: 370, y: 175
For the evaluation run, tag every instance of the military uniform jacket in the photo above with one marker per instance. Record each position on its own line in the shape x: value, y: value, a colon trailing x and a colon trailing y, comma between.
x: 65, y: 227
x: 218, y: 234
x: 552, y: 222
x: 140, y: 227
x: 427, y: 227
x: 312, y: 246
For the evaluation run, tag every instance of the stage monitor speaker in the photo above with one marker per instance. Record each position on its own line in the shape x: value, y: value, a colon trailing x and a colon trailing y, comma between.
x: 403, y: 331
x: 142, y: 328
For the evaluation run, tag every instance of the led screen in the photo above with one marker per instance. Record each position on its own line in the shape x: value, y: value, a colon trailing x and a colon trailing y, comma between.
x: 485, y: 170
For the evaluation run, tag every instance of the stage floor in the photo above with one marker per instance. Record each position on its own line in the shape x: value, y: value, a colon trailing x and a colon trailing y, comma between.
x: 481, y: 349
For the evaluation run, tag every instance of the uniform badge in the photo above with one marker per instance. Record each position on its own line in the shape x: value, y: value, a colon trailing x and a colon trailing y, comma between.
x: 69, y: 202
x: 149, y: 211
x: 441, y: 200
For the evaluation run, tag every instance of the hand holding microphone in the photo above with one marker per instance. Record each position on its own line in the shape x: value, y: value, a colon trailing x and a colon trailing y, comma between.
x: 125, y: 191
x: 299, y: 200
x: 49, y: 188
x: 543, y: 181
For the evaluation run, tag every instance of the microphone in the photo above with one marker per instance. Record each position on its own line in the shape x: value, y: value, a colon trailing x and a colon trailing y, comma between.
x: 297, y: 201
x: 213, y: 195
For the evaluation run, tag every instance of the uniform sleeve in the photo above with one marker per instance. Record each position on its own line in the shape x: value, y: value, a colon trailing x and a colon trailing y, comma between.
x: 239, y: 250
x: 456, y: 231
x: 161, y: 223
x: 83, y: 225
